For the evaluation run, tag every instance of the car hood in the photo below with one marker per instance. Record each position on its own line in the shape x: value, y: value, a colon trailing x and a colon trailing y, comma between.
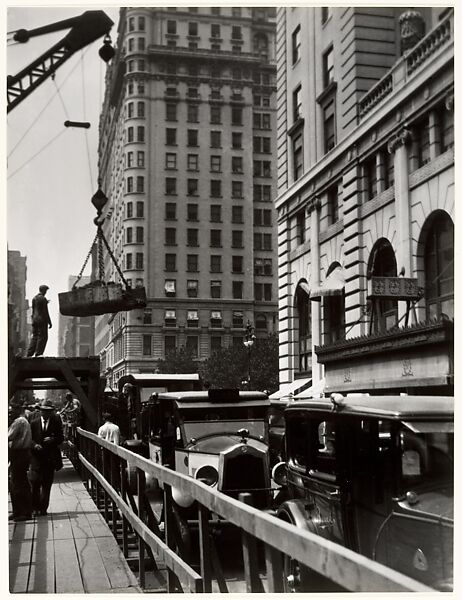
x: 217, y: 444
x: 438, y: 502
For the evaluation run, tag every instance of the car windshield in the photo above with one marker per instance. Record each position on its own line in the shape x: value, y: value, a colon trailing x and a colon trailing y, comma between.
x: 276, y: 416
x: 199, y: 423
x: 427, y: 452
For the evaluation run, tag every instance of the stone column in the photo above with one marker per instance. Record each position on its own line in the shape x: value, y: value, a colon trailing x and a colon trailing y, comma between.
x: 353, y: 251
x: 399, y: 146
x: 316, y: 368
x: 433, y: 130
x: 286, y: 333
x: 381, y: 172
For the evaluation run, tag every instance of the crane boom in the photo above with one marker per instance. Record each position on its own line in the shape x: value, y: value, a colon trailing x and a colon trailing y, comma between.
x: 85, y: 29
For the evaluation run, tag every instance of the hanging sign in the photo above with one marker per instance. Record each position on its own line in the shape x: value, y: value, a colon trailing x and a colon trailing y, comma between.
x: 398, y: 288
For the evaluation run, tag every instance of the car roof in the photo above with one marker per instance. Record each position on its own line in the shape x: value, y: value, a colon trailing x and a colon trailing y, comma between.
x: 214, y: 397
x: 394, y: 407
x: 215, y: 405
x: 147, y: 377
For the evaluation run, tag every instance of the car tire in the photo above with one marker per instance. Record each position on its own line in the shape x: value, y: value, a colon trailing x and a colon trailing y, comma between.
x: 300, y: 578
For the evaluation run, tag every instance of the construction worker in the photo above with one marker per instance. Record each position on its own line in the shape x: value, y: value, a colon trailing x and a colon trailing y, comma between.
x: 40, y: 323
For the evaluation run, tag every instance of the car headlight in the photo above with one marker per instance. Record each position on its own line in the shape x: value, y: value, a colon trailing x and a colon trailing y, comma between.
x: 207, y: 474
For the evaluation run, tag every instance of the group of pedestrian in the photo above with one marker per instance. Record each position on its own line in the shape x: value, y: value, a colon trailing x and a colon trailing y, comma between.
x: 34, y: 455
x: 35, y: 436
x: 70, y: 415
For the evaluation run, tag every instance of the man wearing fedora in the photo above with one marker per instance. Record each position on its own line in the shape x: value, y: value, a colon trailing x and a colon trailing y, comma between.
x: 47, y: 435
x: 40, y: 323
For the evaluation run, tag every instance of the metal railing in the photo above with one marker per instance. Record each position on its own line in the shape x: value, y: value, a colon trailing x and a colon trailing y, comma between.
x: 104, y: 467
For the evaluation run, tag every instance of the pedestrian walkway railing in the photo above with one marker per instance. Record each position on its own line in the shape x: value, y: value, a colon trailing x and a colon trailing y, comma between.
x: 105, y: 469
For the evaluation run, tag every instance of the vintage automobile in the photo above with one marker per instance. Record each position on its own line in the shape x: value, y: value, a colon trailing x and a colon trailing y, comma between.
x: 374, y: 474
x: 218, y: 436
x: 125, y: 404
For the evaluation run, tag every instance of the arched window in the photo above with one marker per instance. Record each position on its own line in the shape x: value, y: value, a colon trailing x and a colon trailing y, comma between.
x: 303, y: 308
x: 439, y: 267
x: 260, y: 323
x: 383, y: 264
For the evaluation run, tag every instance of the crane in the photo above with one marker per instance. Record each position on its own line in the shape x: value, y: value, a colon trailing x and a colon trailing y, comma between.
x: 96, y: 298
x: 85, y: 29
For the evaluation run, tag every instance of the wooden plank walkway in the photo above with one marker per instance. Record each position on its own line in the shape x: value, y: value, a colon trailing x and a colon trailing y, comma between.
x: 71, y: 550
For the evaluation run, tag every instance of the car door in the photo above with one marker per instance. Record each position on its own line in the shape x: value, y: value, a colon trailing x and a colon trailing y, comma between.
x: 322, y: 479
x: 417, y: 537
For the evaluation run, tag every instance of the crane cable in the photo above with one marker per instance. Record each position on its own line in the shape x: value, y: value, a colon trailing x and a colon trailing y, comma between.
x: 36, y: 154
x: 60, y: 96
x: 85, y: 118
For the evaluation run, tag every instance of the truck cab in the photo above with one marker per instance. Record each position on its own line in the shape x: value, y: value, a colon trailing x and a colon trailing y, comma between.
x: 217, y: 436
x: 374, y: 474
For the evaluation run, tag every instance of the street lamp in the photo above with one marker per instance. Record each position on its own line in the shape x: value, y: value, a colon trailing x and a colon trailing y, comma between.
x: 249, y: 340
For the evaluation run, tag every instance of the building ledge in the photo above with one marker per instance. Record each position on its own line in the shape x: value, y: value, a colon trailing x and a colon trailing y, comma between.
x: 420, y: 334
x: 204, y: 53
x: 299, y: 123
x: 327, y: 92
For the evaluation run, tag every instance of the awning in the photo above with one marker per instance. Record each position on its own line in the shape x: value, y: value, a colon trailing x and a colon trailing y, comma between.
x: 315, y: 391
x: 333, y: 285
x: 289, y: 389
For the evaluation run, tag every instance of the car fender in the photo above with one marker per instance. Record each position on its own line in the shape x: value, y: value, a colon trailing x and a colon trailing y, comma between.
x: 295, y: 512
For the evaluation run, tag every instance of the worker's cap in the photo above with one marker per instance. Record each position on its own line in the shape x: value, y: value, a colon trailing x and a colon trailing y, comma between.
x: 43, y: 288
x: 69, y: 395
x: 47, y: 405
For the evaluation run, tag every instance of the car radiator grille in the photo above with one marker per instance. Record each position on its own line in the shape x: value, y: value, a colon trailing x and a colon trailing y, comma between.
x: 245, y: 473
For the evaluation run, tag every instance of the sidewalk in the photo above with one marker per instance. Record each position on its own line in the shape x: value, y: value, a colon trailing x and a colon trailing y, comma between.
x: 71, y: 550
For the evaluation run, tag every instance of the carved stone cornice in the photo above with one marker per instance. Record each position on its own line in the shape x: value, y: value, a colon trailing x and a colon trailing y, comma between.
x: 402, y: 138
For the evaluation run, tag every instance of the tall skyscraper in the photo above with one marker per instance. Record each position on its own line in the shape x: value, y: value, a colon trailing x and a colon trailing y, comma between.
x: 366, y: 197
x: 187, y: 160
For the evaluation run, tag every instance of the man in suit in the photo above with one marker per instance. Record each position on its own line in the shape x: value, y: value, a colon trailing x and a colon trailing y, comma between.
x: 47, y: 435
x: 19, y: 445
x: 40, y: 323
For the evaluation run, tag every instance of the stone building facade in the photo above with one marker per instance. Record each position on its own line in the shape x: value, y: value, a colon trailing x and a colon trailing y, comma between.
x: 366, y: 198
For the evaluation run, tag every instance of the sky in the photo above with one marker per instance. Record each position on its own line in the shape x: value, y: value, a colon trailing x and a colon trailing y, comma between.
x: 52, y: 170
